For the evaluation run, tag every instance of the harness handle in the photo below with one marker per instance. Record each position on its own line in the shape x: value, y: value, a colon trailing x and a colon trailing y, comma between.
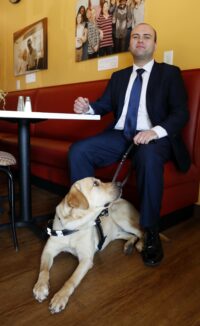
x: 120, y: 166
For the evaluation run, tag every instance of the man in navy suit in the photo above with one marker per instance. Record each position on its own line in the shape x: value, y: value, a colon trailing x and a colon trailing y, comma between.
x: 161, y: 116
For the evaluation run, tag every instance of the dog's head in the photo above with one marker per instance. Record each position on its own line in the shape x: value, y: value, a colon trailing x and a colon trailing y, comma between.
x: 92, y: 193
x: 85, y: 197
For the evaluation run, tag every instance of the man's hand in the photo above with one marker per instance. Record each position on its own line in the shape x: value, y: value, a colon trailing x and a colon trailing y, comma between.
x: 81, y: 105
x: 144, y: 137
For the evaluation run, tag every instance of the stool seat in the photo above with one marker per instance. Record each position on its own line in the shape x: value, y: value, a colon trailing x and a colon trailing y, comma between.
x: 6, y: 161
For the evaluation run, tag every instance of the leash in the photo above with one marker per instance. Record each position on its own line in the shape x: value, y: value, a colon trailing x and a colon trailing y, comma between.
x: 120, y: 167
x: 104, y: 212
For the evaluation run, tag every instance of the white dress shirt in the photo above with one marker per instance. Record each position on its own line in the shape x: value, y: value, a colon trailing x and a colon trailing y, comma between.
x: 143, y: 121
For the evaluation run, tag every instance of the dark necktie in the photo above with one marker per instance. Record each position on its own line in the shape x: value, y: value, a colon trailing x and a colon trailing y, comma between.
x: 133, y: 105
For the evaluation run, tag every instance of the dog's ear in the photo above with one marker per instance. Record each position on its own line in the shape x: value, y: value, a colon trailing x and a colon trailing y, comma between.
x: 76, y: 199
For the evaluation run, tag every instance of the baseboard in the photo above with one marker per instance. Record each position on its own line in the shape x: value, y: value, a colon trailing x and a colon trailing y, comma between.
x: 177, y: 217
x: 49, y: 186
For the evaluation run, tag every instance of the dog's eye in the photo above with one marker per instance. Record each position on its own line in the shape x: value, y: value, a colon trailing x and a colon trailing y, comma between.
x: 96, y: 183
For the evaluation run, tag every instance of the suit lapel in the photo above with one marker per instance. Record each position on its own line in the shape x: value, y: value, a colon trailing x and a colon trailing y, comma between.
x: 152, y: 87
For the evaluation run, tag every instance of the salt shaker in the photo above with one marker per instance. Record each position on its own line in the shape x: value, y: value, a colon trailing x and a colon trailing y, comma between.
x: 28, y: 107
x: 20, y: 104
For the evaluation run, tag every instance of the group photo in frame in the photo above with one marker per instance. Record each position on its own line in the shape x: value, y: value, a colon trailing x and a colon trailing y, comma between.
x: 103, y: 27
x: 30, y: 48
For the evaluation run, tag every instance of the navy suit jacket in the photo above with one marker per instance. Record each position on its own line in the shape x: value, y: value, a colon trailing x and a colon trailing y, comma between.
x: 166, y: 102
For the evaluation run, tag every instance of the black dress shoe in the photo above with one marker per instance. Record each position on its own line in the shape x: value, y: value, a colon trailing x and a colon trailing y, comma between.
x: 152, y: 253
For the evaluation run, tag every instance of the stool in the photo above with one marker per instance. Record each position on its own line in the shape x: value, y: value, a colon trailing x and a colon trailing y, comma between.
x: 6, y: 160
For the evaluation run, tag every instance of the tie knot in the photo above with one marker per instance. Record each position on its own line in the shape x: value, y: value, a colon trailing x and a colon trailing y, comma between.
x: 140, y: 71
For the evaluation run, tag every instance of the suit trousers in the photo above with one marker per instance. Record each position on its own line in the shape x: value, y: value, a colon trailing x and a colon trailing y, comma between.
x: 148, y: 161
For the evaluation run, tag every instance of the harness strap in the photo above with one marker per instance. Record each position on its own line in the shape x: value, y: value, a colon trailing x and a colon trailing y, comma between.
x: 65, y: 232
x: 58, y: 233
x: 102, y: 238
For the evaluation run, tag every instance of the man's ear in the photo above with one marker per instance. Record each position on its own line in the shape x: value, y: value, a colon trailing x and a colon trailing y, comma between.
x: 76, y: 199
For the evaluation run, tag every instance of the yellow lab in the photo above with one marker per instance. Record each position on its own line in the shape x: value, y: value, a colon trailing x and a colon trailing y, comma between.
x: 90, y: 216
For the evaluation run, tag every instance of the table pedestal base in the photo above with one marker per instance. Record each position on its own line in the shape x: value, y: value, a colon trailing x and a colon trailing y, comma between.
x: 37, y: 225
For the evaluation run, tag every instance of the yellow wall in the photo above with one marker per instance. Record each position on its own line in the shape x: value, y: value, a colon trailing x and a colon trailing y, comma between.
x: 177, y: 23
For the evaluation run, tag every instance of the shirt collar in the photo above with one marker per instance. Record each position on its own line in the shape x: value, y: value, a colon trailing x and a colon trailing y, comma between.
x: 147, y: 67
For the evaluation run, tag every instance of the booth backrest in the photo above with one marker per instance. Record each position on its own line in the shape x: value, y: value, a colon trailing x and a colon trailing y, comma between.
x: 61, y: 99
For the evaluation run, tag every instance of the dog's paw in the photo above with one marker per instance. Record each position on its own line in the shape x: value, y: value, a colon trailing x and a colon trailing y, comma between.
x: 140, y: 245
x: 41, y: 291
x: 128, y: 248
x: 58, y: 303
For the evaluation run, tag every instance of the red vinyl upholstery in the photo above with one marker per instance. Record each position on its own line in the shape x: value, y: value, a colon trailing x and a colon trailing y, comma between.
x: 50, y: 140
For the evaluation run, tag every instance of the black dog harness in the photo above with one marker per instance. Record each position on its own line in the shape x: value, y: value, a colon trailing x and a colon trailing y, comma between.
x: 57, y: 233
x: 104, y: 212
x: 65, y: 232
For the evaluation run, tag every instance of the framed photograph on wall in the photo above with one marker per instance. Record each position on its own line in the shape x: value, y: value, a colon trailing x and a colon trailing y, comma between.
x: 30, y: 48
x: 103, y: 27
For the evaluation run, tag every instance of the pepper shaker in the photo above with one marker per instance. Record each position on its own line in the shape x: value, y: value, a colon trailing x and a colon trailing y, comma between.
x: 28, y: 107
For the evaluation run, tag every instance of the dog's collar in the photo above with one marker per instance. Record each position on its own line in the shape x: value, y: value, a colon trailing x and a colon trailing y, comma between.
x: 58, y: 233
x: 62, y: 233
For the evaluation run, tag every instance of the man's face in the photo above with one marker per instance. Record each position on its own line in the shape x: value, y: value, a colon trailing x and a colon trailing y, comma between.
x: 142, y: 42
x: 122, y: 4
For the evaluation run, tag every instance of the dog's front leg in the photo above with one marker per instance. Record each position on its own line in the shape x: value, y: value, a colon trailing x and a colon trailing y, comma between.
x: 41, y: 288
x: 61, y: 298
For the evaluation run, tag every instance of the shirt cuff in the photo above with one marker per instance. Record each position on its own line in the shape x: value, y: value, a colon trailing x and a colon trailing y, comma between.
x: 90, y: 110
x: 160, y: 131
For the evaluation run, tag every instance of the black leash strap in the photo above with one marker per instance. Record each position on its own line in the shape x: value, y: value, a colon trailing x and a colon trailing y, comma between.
x: 105, y: 211
x: 120, y: 166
